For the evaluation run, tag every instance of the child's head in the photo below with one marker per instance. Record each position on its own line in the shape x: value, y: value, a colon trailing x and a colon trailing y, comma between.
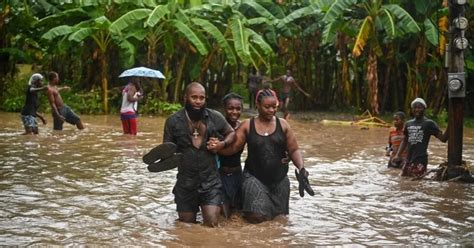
x: 399, y: 119
x: 232, y: 106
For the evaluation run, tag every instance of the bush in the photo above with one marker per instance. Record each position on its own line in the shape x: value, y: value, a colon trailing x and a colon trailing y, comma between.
x: 155, y: 106
x: 242, y: 90
x: 85, y: 102
x: 14, y: 95
x: 441, y: 118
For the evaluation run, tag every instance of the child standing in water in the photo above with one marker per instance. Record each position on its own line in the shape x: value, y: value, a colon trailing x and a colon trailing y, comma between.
x: 395, y: 138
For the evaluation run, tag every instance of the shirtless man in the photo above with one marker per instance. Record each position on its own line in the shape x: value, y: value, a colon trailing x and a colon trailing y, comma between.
x: 288, y: 83
x: 61, y: 112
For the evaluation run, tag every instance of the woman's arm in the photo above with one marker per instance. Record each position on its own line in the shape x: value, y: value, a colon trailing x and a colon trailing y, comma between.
x: 240, y: 140
x: 292, y: 146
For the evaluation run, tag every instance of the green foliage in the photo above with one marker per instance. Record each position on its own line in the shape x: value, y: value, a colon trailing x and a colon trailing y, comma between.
x: 218, y: 36
x: 156, y: 106
x: 97, y: 39
x: 13, y: 104
x: 441, y: 118
x: 242, y: 90
x: 84, y: 103
x: 14, y: 96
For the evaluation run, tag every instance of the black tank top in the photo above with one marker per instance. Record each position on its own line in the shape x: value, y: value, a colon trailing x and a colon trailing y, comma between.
x: 232, y: 160
x: 265, y: 154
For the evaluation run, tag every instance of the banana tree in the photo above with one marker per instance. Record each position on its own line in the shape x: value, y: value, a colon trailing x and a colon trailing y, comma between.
x: 380, y: 21
x: 233, y: 33
x: 164, y: 26
x: 96, y: 27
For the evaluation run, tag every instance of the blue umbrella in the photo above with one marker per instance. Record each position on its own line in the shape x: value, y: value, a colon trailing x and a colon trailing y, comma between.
x: 142, y: 72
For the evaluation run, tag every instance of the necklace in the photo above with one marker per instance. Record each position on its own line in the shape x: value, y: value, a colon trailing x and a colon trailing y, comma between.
x: 194, y: 127
x: 266, y: 133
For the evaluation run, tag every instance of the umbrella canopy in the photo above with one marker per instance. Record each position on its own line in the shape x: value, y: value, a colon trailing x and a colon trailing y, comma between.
x: 142, y: 72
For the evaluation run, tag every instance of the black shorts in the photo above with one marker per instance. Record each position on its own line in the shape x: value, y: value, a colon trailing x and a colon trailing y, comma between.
x: 68, y: 114
x: 189, y: 194
x: 269, y: 201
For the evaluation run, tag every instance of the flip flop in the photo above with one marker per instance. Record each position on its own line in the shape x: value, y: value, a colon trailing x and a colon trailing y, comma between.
x: 303, y: 184
x: 162, y: 151
x: 165, y: 164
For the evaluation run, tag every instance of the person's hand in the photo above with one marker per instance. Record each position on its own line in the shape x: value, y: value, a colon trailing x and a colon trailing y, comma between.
x: 307, y: 94
x: 213, y: 144
x: 44, y: 121
x: 138, y: 95
x: 63, y: 119
x: 285, y: 160
x: 303, y: 181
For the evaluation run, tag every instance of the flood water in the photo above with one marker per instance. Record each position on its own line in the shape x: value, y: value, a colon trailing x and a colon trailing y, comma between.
x: 91, y: 187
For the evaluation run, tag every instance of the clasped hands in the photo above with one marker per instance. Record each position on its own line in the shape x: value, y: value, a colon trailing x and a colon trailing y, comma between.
x: 214, y: 144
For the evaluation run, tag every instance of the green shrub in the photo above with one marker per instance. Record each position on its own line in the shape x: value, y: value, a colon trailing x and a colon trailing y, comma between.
x: 14, y: 95
x: 441, y: 118
x: 155, y: 106
x: 242, y: 90
x: 85, y: 102
x: 13, y: 104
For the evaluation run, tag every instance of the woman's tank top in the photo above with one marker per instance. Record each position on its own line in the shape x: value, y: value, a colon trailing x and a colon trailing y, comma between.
x: 265, y: 154
x: 232, y: 160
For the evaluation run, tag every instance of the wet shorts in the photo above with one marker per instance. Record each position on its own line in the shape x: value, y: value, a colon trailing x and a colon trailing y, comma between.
x: 68, y: 114
x: 231, y: 183
x: 29, y: 121
x: 269, y: 201
x: 189, y: 194
x: 413, y: 169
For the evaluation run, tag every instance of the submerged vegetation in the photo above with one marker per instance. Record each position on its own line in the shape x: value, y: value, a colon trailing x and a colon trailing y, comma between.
x: 350, y: 55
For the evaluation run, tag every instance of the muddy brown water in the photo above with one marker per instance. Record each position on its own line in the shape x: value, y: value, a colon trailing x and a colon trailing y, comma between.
x: 91, y: 187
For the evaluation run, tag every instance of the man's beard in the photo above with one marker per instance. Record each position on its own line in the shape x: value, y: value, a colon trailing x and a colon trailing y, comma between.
x: 194, y: 114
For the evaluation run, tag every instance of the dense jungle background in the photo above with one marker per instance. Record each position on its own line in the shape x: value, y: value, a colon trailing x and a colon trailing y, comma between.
x: 350, y: 55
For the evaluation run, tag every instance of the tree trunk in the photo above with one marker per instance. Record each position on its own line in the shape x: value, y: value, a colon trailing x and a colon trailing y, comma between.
x: 372, y: 80
x: 104, y: 82
x: 179, y: 76
x: 346, y: 84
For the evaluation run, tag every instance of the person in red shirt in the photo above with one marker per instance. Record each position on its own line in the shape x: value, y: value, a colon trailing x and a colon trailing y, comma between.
x: 395, y: 138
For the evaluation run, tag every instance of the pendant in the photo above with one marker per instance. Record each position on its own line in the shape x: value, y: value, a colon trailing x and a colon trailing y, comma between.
x: 265, y: 134
x: 195, y: 133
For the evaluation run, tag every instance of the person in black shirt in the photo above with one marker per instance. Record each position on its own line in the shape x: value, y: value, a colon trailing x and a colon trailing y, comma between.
x: 30, y: 109
x: 270, y: 143
x: 417, y: 136
x: 198, y: 183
